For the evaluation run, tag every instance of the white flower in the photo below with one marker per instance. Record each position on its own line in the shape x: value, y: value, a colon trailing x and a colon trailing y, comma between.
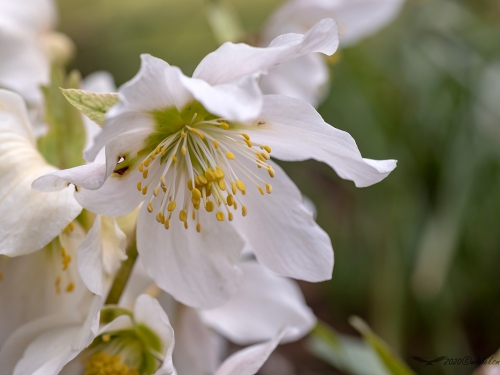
x: 307, y: 77
x: 28, y: 45
x: 30, y: 219
x: 190, y: 148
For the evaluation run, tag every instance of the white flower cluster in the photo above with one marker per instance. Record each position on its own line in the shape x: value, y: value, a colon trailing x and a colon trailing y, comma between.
x: 211, y: 228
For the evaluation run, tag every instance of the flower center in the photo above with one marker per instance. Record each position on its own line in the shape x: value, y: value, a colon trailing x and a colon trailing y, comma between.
x: 103, y: 363
x: 196, y: 167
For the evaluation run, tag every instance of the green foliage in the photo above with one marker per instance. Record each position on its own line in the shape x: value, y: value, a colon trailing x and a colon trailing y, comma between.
x: 91, y: 104
x: 62, y: 145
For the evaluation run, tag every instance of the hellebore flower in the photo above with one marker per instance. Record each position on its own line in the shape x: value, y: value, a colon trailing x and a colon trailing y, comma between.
x: 197, y: 152
x: 307, y: 77
x: 30, y: 219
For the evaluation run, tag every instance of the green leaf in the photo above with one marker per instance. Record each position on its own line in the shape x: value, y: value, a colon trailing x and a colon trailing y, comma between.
x: 91, y: 104
x: 348, y: 354
x: 392, y: 362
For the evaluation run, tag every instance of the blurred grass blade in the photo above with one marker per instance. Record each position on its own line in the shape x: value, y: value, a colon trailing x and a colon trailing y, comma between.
x: 394, y: 365
x: 91, y: 104
x: 349, y: 354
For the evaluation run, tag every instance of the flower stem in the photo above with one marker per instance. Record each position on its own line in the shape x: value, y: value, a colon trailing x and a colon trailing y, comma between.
x: 123, y: 274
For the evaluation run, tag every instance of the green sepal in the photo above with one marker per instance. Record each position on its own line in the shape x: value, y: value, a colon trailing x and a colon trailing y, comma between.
x: 91, y: 104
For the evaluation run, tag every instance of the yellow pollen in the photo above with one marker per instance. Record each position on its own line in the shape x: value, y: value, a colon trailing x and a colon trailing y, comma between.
x: 271, y: 172
x: 249, y: 143
x: 219, y: 173
x: 201, y: 180
x: 269, y: 188
x: 230, y: 200
x: 145, y: 173
x: 216, y: 144
x: 195, y: 131
x: 167, y: 224
x: 241, y: 186
x: 209, y: 206
x: 244, y: 210
x: 162, y: 180
x: 186, y: 224
x: 196, y: 193
x: 174, y: 158
x: 230, y: 155
x: 106, y: 338
x: 171, y: 206
x: 198, y: 227
x: 58, y: 285
x: 224, y: 125
x: 146, y: 162
x: 260, y: 157
x: 222, y: 185
x: 245, y: 136
x: 267, y: 148
x: 183, y: 134
x: 233, y: 188
x: 103, y: 363
x: 144, y: 190
x: 265, y: 155
x: 70, y: 287
x: 220, y: 216
x: 65, y: 261
x: 141, y: 168
x: 71, y: 226
x: 183, y: 150
x: 209, y: 175
x: 190, y: 184
x: 193, y: 216
x: 150, y: 207
x: 156, y: 191
x: 158, y: 149
x: 163, y: 150
x: 183, y: 215
x: 235, y: 205
x: 139, y: 186
x: 261, y: 190
x: 230, y: 216
x: 164, y: 189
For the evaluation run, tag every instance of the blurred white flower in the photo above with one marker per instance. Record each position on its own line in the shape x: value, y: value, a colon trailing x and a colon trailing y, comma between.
x: 183, y: 144
x: 30, y: 219
x: 307, y: 77
x: 28, y: 45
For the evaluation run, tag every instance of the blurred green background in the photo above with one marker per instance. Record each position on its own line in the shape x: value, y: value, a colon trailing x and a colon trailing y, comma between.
x: 417, y: 256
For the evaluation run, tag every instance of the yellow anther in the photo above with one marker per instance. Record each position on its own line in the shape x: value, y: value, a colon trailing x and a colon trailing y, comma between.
x: 233, y: 188
x: 244, y: 210
x: 235, y: 205
x: 158, y: 217
x: 209, y: 175
x: 145, y: 173
x: 71, y: 226
x: 141, y: 168
x: 230, y: 155
x: 216, y: 144
x: 230, y: 216
x: 139, y: 186
x: 158, y: 149
x: 224, y: 125
x: 167, y: 224
x: 230, y: 200
x: 209, y: 206
x: 219, y: 172
x: 195, y: 131
x: 259, y: 156
x: 222, y: 185
x: 70, y: 287
x: 201, y: 180
x: 156, y: 191
x: 220, y: 216
x: 106, y: 338
x: 248, y: 142
x: 198, y: 227
x: 186, y: 224
x: 183, y: 150
x: 193, y: 215
x: 241, y: 186
x: 196, y: 193
x: 183, y: 134
x: 183, y: 215
x: 267, y: 148
x: 245, y: 136
x: 171, y: 206
x: 269, y: 188
x: 103, y: 363
x: 271, y: 172
x: 65, y: 262
x: 144, y: 190
x: 150, y: 207
x: 265, y: 155
x: 164, y: 189
x: 63, y: 251
x: 162, y: 180
x: 260, y: 190
x: 174, y: 158
x: 163, y: 151
x: 146, y: 162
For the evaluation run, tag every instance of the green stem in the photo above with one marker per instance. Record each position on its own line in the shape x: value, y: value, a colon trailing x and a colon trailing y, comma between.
x: 123, y: 274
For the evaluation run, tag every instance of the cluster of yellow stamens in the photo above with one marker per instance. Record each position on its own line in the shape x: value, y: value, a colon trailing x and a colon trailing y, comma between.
x: 103, y: 363
x: 202, y: 157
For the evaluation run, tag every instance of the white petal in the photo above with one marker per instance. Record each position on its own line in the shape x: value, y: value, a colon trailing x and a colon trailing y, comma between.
x: 282, y: 233
x: 90, y: 176
x: 195, y: 353
x: 304, y: 78
x: 31, y: 16
x: 231, y: 61
x: 356, y: 19
x: 100, y: 254
x: 198, y: 269
x: 295, y: 131
x: 139, y: 283
x: 148, y: 312
x: 263, y: 304
x: 24, y: 211
x: 249, y: 360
